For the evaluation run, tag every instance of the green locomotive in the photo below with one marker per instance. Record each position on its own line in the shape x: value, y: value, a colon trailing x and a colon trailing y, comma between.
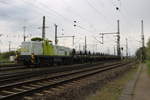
x: 39, y: 51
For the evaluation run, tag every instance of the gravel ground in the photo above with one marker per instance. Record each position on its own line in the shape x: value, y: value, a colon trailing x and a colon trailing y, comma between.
x: 113, y: 90
x: 80, y: 89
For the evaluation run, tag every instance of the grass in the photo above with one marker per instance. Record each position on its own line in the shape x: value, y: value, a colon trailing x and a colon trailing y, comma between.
x: 113, y: 89
x: 148, y: 65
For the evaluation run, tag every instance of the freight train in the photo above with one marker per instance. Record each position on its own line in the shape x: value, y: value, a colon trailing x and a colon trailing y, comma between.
x: 40, y: 51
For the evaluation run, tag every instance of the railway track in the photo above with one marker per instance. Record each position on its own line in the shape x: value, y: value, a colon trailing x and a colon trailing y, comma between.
x: 30, y: 73
x: 16, y: 91
x: 11, y: 67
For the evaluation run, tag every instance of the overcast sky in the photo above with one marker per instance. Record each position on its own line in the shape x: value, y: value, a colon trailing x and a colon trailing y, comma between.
x: 92, y: 16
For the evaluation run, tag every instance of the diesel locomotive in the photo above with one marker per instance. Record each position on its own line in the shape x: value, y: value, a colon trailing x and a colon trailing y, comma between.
x: 40, y: 51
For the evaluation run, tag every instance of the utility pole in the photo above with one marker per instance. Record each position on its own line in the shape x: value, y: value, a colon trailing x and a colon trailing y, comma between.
x: 85, y: 45
x: 56, y: 41
x: 73, y: 41
x: 126, y: 47
x: 43, y: 28
x: 24, y: 31
x: 118, y: 39
x: 114, y: 50
x: 9, y: 46
x: 142, y: 37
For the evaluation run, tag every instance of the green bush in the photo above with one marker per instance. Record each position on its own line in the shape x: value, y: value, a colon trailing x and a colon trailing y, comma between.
x: 5, y: 55
x: 37, y: 39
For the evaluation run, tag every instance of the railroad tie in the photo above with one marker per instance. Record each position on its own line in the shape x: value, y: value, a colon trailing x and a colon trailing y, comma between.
x: 18, y: 89
x: 27, y: 98
x: 28, y: 87
x: 77, y: 82
x: 35, y: 85
x: 38, y: 94
x: 48, y: 81
x: 41, y: 83
x: 52, y: 81
x: 48, y: 92
x: 61, y: 87
x: 55, y: 89
x: 1, y: 96
x: 67, y: 85
x: 72, y: 83
x: 8, y: 92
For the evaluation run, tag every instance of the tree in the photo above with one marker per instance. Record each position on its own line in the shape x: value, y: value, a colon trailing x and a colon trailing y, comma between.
x: 148, y: 50
x: 139, y: 53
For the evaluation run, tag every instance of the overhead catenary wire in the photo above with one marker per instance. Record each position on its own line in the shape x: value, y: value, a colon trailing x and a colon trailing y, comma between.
x: 118, y: 3
x: 82, y: 28
x: 70, y: 21
x: 65, y: 18
x: 97, y: 11
x: 123, y: 14
x: 105, y: 17
x: 77, y: 14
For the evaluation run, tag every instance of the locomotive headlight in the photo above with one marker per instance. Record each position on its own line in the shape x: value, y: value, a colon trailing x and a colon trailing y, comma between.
x: 33, y: 58
x: 17, y: 56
